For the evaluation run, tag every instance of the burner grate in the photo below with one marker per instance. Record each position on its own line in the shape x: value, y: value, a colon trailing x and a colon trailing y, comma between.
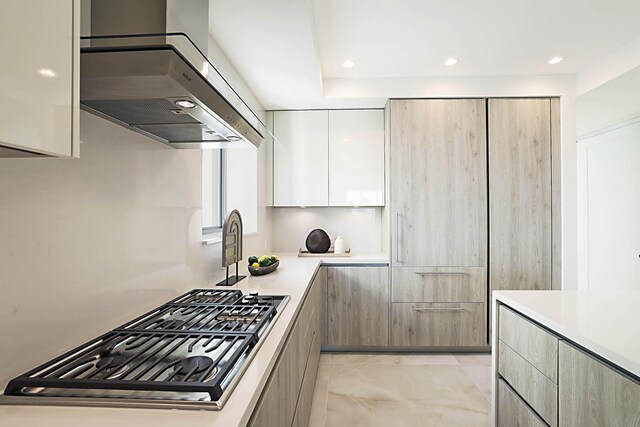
x: 143, y: 361
x: 205, y: 317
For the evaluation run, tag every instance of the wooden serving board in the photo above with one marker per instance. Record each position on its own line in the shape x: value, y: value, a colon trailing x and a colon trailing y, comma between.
x: 331, y: 253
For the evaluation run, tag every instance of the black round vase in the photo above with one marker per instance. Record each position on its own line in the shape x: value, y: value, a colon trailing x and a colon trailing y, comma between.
x: 318, y: 242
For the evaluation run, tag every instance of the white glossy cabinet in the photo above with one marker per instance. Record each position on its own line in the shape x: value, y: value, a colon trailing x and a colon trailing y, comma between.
x: 356, y: 158
x: 39, y: 78
x: 328, y: 158
x: 301, y: 157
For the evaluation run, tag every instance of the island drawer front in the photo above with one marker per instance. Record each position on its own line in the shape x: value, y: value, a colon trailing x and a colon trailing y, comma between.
x: 534, y: 387
x: 536, y: 345
x: 513, y: 411
x: 437, y: 324
x: 438, y: 284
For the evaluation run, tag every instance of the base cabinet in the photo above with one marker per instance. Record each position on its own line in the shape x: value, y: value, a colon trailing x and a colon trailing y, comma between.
x: 545, y: 380
x: 357, y: 306
x: 286, y: 399
x: 592, y: 394
x: 513, y: 411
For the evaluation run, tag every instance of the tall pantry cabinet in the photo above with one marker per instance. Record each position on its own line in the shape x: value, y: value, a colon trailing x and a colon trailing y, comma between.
x: 438, y: 182
x: 471, y: 208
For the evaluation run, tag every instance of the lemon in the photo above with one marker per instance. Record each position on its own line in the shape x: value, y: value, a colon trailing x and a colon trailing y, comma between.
x: 255, y: 265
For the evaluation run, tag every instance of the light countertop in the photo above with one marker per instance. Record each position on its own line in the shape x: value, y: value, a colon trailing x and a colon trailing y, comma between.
x: 606, y: 323
x: 292, y: 277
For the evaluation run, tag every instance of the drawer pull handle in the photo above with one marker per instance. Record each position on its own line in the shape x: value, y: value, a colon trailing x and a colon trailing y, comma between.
x: 440, y: 273
x: 438, y: 308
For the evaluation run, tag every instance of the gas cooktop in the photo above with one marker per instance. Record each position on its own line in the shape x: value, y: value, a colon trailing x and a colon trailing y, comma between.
x: 189, y: 352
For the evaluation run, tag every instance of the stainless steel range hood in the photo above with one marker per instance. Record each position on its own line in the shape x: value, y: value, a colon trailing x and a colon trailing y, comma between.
x: 135, y: 72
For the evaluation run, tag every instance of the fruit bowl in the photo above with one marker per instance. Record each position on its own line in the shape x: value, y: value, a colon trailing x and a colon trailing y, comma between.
x: 259, y: 271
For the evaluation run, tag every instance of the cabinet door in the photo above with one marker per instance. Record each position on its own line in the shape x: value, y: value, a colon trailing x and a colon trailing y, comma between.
x: 592, y: 394
x: 39, y: 83
x: 301, y: 158
x: 356, y: 158
x: 358, y: 306
x: 520, y: 193
x: 438, y: 182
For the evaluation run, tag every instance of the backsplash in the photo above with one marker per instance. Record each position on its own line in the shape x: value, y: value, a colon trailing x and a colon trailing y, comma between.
x: 361, y: 228
x: 90, y: 243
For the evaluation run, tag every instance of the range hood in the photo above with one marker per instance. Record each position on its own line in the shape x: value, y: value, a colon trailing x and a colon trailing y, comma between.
x: 135, y: 72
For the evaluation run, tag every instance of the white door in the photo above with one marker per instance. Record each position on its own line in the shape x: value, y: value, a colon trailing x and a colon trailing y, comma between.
x: 613, y: 176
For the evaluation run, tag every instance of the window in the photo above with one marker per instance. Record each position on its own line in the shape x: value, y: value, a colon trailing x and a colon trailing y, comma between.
x: 212, y: 190
x: 229, y: 181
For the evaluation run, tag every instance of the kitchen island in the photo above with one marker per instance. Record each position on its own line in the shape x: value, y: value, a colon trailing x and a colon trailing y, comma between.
x: 566, y: 358
x: 293, y: 278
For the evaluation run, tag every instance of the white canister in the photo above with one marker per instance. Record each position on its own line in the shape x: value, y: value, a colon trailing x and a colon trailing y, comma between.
x: 338, y: 246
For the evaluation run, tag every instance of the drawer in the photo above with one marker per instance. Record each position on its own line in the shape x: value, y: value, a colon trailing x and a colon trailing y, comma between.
x: 438, y: 284
x: 513, y: 411
x: 303, y: 410
x: 534, y: 387
x: 438, y: 324
x: 536, y: 345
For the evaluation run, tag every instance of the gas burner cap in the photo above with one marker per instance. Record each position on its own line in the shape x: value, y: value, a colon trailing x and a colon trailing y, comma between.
x: 110, y: 363
x: 195, y: 366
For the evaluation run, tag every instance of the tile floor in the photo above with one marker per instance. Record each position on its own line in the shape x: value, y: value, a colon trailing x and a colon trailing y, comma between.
x: 397, y: 390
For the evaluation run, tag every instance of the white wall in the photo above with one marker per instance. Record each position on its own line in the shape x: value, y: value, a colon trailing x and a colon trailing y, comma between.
x: 600, y: 114
x: 361, y: 228
x: 563, y: 86
x: 89, y: 243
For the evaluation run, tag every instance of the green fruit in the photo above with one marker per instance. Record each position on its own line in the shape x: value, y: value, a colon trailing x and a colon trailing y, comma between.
x: 265, y: 262
x: 273, y: 259
x: 253, y: 259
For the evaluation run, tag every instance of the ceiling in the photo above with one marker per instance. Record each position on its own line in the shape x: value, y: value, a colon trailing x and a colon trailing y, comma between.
x: 285, y: 48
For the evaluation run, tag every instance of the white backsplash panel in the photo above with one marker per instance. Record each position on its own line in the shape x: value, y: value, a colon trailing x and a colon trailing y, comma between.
x: 89, y: 243
x: 361, y: 228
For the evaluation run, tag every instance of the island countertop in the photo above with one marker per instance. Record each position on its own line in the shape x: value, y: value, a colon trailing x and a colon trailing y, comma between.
x: 605, y: 323
x: 293, y: 278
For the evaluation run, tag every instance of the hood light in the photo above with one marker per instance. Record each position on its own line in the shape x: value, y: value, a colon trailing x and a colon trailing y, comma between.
x: 234, y: 138
x: 185, y: 103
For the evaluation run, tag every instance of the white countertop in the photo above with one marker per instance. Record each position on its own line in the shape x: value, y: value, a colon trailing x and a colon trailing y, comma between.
x: 605, y: 323
x: 292, y: 277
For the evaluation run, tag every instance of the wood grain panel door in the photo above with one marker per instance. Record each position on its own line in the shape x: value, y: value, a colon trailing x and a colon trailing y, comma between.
x: 520, y: 193
x: 438, y: 182
x: 358, y: 306
x: 592, y: 394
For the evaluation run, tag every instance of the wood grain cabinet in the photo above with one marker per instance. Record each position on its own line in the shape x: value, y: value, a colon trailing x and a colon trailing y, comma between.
x: 357, y: 306
x: 438, y: 221
x: 438, y: 182
x: 593, y: 394
x: 520, y: 147
x: 514, y: 412
x: 40, y: 82
x: 286, y: 399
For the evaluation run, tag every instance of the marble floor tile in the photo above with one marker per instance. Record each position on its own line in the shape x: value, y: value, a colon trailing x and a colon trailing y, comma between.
x: 473, y: 358
x: 403, y: 395
x: 481, y: 377
x: 393, y: 359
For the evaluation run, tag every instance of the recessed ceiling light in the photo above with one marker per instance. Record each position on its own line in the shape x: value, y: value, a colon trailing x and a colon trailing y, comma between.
x: 451, y: 61
x: 348, y: 63
x: 185, y: 103
x: 47, y: 72
x: 556, y: 60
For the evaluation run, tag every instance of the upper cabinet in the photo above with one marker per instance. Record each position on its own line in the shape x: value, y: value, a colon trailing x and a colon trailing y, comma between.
x: 328, y: 158
x: 356, y: 158
x: 300, y: 158
x: 39, y: 84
